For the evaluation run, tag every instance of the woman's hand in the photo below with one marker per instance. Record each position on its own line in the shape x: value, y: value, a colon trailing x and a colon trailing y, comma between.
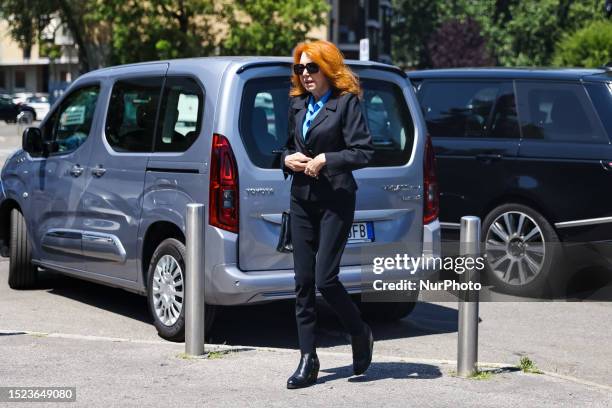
x: 315, y: 165
x: 297, y: 161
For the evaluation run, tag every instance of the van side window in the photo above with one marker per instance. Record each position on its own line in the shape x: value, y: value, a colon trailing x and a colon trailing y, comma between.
x: 70, y: 125
x: 558, y: 112
x: 132, y: 109
x: 461, y: 108
x: 263, y: 119
x: 180, y: 119
x: 389, y: 122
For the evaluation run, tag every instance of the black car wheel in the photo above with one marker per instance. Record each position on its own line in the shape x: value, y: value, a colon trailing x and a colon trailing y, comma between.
x: 166, y: 291
x: 22, y: 274
x: 523, y: 252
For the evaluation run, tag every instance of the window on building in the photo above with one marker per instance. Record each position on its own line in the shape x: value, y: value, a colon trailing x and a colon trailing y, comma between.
x: 351, y: 22
x: 20, y: 79
x: 373, y: 11
x: 386, y: 30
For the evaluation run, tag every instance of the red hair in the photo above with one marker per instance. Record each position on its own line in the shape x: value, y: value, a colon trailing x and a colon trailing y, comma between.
x: 331, y: 61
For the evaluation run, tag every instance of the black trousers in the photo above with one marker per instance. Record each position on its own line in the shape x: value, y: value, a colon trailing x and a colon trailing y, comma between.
x: 319, y: 232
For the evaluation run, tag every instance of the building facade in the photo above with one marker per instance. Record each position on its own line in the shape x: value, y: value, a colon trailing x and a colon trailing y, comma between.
x: 30, y: 72
x: 352, y: 20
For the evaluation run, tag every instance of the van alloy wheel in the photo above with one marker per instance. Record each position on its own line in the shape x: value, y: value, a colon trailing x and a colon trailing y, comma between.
x: 515, y: 248
x: 168, y: 290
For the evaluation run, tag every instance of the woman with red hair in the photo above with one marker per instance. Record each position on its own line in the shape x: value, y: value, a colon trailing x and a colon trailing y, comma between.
x: 328, y: 139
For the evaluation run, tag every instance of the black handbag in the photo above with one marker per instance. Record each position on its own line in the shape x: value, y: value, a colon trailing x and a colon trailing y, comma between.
x: 284, y: 239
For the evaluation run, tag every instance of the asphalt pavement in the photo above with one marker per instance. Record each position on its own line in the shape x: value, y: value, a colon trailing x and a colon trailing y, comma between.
x: 100, y: 340
x: 69, y: 332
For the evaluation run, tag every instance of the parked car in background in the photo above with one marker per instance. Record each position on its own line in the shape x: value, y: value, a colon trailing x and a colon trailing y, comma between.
x: 11, y: 112
x: 99, y: 191
x: 20, y: 97
x: 527, y: 150
x: 40, y: 104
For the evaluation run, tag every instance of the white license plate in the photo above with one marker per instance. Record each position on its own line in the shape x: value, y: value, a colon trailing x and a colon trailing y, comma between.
x: 361, y: 232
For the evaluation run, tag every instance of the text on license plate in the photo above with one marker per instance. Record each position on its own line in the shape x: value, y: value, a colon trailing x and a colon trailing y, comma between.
x: 361, y: 232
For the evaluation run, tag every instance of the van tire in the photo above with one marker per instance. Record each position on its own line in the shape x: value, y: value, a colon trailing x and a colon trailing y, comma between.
x: 174, y: 251
x: 22, y: 273
x: 551, y: 275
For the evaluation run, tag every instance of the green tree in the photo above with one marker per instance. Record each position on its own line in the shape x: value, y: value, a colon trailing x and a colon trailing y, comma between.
x: 158, y: 29
x: 270, y: 27
x: 533, y: 27
x: 589, y: 47
x: 518, y: 32
x: 414, y: 23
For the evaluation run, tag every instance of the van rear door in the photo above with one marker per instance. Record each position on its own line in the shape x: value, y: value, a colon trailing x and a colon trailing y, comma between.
x: 389, y: 207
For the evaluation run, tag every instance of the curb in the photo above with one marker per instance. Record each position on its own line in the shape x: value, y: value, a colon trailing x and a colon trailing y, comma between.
x: 292, y: 351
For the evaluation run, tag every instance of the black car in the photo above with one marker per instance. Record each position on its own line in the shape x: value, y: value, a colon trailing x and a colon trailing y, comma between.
x: 9, y: 111
x: 529, y: 151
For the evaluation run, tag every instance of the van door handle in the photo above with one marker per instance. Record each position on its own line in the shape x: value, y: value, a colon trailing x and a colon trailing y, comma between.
x: 488, y: 157
x: 76, y: 170
x: 98, y: 171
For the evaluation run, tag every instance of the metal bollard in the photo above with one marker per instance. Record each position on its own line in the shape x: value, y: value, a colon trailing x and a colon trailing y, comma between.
x: 467, y: 345
x: 194, y: 281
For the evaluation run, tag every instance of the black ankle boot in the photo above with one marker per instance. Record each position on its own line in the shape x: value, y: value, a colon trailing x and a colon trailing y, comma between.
x: 363, y: 346
x: 306, y: 373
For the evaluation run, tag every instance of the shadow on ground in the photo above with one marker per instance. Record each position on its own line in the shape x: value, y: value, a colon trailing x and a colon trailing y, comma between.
x: 381, y: 371
x: 111, y: 299
x: 268, y: 325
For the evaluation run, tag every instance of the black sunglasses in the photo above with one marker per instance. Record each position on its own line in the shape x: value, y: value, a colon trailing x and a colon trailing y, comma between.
x: 312, y: 68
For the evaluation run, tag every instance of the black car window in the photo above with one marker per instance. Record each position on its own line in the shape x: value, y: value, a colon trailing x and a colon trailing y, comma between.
x: 70, y: 125
x: 601, y: 95
x: 132, y: 110
x: 558, y: 112
x: 504, y: 121
x: 461, y: 108
x: 180, y: 119
x: 263, y: 121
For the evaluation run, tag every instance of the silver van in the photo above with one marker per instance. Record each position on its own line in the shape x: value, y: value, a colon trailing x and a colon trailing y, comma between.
x: 99, y: 190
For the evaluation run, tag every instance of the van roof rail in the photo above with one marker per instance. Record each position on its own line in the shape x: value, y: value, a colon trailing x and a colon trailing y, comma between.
x: 374, y: 65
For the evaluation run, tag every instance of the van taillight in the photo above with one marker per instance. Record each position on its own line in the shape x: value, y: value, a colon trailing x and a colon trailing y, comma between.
x: 223, y: 203
x: 430, y: 184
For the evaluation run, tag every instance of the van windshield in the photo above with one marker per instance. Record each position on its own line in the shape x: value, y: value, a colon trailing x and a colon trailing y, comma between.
x: 263, y: 121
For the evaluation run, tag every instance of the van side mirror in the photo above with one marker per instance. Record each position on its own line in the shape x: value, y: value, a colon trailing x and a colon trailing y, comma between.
x: 32, y: 141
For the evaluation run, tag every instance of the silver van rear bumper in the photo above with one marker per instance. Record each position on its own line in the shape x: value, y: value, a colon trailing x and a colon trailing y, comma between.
x: 228, y: 285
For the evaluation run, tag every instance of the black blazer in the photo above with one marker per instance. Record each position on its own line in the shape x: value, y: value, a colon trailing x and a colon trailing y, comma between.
x: 341, y: 132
